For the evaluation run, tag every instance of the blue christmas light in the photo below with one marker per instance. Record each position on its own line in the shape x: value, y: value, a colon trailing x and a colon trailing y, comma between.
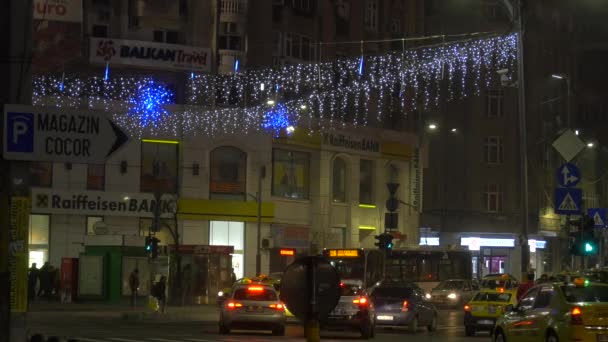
x: 361, y: 66
x: 106, y: 76
x: 192, y: 75
x: 236, y: 65
x: 148, y: 102
x: 277, y: 119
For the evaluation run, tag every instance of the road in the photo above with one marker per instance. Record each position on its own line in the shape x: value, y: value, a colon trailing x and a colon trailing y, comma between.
x: 110, y: 328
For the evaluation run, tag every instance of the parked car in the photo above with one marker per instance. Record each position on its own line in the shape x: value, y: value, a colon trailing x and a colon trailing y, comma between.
x: 453, y: 292
x: 253, y: 306
x: 402, y: 304
x: 354, y: 312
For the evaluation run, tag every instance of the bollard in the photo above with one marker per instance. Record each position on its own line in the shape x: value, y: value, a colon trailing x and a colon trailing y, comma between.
x: 312, y: 331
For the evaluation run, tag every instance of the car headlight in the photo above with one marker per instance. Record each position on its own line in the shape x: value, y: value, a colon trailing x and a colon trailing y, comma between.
x: 220, y: 294
x: 452, y: 296
x: 428, y: 296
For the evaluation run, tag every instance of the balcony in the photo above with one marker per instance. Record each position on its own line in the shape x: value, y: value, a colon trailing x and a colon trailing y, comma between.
x: 226, y: 60
x: 233, y: 10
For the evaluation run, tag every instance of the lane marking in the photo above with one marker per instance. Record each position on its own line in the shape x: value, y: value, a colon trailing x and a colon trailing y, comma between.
x: 88, y: 339
x: 124, y: 339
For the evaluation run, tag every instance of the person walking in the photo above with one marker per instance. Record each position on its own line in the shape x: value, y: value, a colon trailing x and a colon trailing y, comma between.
x: 523, y: 288
x: 45, y: 280
x: 134, y: 286
x: 159, y: 292
x: 32, y: 281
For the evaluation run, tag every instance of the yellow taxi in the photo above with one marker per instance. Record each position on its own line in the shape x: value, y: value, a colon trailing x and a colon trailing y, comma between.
x: 499, y: 280
x: 481, y: 313
x: 554, y: 312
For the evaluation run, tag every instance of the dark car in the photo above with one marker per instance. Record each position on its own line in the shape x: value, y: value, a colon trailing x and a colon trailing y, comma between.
x: 402, y: 304
x: 354, y: 312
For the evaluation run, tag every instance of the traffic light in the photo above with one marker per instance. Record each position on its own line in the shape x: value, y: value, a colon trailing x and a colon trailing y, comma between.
x: 391, y: 219
x: 385, y: 242
x: 584, y: 240
x: 148, y: 244
x: 154, y: 247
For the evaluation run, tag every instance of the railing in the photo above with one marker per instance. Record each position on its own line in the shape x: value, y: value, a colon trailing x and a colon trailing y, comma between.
x: 233, y: 7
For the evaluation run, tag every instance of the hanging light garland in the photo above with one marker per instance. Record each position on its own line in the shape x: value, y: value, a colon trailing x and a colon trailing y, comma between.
x: 313, y: 96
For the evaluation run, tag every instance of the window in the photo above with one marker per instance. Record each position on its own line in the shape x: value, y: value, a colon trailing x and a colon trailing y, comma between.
x: 96, y: 174
x: 396, y: 26
x: 225, y: 233
x: 290, y: 174
x: 495, y: 103
x: 39, y: 228
x: 493, y: 198
x: 527, y: 302
x: 172, y: 37
x: 339, y: 181
x: 99, y: 31
x: 159, y: 167
x: 228, y: 173
x: 302, y: 5
x: 366, y: 181
x: 371, y: 15
x: 493, y: 150
x: 41, y: 174
x: 159, y: 36
x: 300, y: 47
x: 544, y: 298
x: 91, y: 220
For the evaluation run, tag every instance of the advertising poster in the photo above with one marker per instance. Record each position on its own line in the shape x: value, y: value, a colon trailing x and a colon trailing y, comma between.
x: 18, y: 253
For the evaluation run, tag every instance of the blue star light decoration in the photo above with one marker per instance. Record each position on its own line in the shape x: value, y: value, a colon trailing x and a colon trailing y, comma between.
x: 278, y: 119
x: 148, y: 101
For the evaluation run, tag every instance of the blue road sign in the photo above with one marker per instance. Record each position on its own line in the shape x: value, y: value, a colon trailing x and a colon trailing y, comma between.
x: 568, y: 175
x: 598, y: 215
x: 568, y: 201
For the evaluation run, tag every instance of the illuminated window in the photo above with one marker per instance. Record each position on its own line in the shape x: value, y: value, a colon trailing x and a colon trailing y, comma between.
x: 227, y: 179
x: 495, y: 103
x: 91, y: 220
x: 290, y: 174
x: 39, y: 229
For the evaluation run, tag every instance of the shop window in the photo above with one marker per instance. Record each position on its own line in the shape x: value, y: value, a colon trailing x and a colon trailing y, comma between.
x: 225, y: 233
x: 493, y: 150
x: 38, y: 241
x: 492, y: 197
x: 159, y: 167
x: 41, y: 174
x: 228, y: 173
x: 96, y: 175
x: 339, y: 181
x: 91, y: 220
x: 338, y: 235
x: 366, y: 181
x: 290, y: 174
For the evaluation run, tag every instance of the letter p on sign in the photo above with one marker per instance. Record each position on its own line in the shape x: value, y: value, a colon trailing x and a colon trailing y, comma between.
x: 20, y: 132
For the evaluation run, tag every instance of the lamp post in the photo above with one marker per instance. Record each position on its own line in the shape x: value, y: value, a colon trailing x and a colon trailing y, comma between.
x: 258, y: 198
x: 567, y: 79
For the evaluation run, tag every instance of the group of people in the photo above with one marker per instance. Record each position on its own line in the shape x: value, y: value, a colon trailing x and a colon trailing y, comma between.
x: 47, y: 277
x: 158, y: 292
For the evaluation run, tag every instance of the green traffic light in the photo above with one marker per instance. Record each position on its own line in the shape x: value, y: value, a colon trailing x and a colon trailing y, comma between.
x: 588, y: 247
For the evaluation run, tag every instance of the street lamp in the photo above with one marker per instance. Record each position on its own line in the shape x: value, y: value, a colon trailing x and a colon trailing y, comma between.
x: 590, y: 144
x: 432, y: 127
x: 563, y: 77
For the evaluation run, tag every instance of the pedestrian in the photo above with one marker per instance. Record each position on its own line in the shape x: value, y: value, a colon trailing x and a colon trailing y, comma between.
x: 45, y: 279
x: 134, y: 286
x: 186, y: 284
x: 159, y: 292
x: 32, y: 281
x: 523, y: 288
x: 233, y: 276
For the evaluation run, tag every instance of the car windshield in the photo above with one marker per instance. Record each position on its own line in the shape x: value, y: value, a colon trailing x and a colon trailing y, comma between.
x: 450, y: 285
x: 255, y: 293
x: 394, y: 292
x: 598, y: 294
x: 492, y: 297
x: 349, y: 290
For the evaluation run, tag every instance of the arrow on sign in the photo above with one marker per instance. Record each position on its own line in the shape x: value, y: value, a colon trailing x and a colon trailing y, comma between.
x: 567, y: 177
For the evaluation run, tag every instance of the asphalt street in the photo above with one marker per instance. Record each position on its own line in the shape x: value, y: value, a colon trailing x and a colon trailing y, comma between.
x: 109, y: 327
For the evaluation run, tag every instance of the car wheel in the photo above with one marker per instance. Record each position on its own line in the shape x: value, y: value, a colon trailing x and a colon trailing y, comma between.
x: 499, y: 336
x: 279, y: 330
x: 367, y: 331
x: 469, y: 330
x: 433, y: 326
x: 552, y: 337
x: 413, y: 326
x: 224, y: 329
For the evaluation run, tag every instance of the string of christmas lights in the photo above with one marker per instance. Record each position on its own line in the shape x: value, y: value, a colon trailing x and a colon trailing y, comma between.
x: 360, y: 91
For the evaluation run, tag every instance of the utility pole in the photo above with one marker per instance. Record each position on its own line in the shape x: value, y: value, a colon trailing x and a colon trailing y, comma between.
x: 516, y: 12
x: 15, y: 87
x: 258, y: 198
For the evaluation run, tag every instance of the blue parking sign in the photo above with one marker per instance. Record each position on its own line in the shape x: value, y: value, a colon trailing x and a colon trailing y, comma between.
x: 20, y: 132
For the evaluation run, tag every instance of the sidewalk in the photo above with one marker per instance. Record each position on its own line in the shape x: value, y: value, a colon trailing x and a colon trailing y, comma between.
x: 125, y: 312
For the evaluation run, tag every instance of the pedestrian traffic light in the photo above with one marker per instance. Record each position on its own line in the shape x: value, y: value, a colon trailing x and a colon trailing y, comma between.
x: 385, y: 242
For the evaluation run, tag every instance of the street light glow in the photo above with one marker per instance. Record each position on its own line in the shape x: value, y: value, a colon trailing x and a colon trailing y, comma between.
x: 454, y: 130
x: 557, y: 76
x: 590, y: 144
x: 290, y: 129
x: 270, y: 102
x: 432, y: 126
x: 303, y: 106
x: 577, y: 132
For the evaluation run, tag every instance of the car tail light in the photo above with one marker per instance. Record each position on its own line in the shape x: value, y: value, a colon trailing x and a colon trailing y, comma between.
x: 467, y: 308
x: 577, y: 316
x: 234, y: 305
x: 361, y: 301
x: 406, y: 306
x: 277, y: 306
x: 255, y: 288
